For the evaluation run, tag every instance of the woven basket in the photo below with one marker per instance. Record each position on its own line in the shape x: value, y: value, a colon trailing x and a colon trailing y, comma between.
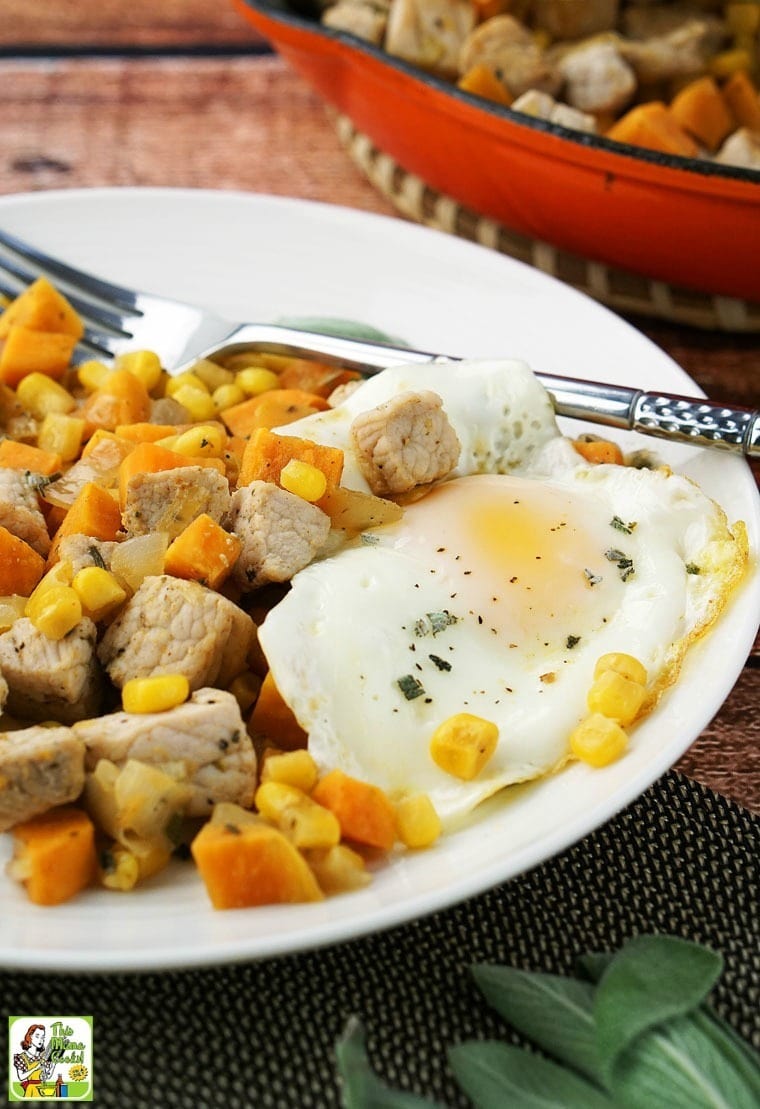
x: 618, y: 289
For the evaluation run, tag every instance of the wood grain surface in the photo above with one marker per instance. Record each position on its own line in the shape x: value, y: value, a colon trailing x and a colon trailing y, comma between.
x: 248, y: 123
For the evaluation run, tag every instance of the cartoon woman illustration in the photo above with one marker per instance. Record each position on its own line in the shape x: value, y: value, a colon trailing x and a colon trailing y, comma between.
x: 32, y: 1063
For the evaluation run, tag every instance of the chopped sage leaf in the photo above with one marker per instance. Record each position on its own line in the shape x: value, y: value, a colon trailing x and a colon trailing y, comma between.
x: 440, y: 663
x: 591, y: 577
x: 692, y: 568
x: 572, y: 641
x: 434, y: 622
x: 410, y: 687
x: 97, y: 558
x: 619, y: 525
x: 368, y: 539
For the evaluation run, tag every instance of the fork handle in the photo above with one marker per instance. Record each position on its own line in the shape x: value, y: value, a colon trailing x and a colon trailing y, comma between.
x: 692, y: 420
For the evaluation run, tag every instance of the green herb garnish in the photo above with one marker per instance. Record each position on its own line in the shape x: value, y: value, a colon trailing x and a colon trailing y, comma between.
x: 572, y: 641
x: 434, y: 622
x: 439, y: 662
x: 619, y: 525
x: 591, y: 577
x: 97, y: 558
x: 410, y: 687
x: 633, y: 1030
x: 624, y: 564
x: 692, y: 568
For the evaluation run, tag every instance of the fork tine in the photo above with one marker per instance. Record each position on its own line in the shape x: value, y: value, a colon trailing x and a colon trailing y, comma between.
x: 115, y: 295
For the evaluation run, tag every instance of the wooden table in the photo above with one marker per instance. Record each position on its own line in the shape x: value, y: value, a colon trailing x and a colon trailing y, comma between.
x: 183, y: 93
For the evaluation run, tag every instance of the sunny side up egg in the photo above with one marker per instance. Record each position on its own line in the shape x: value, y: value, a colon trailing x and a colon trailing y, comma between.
x: 495, y: 594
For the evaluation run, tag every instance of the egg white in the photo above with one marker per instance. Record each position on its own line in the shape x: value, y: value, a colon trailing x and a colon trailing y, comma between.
x: 496, y: 592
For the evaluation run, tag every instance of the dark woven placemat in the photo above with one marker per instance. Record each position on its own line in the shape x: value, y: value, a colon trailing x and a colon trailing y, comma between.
x: 681, y: 860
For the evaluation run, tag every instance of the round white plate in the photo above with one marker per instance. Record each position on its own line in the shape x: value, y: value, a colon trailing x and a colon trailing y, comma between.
x: 260, y: 258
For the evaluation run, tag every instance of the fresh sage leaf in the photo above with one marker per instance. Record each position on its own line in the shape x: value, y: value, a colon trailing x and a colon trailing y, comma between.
x: 360, y: 1086
x: 652, y: 979
x: 496, y: 1076
x: 334, y: 325
x: 679, y: 1066
x: 736, y: 1052
x: 553, y: 1011
x: 593, y: 964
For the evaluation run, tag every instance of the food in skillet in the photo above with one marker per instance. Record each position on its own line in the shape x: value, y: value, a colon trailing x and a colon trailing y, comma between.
x: 291, y: 621
x: 680, y: 78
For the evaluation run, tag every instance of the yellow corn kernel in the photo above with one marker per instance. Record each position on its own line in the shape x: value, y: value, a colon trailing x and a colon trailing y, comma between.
x: 119, y: 868
x: 598, y: 740
x: 99, y: 592
x: 614, y: 696
x: 155, y: 694
x: 181, y: 380
x: 144, y: 364
x: 621, y: 663
x: 729, y: 62
x: 338, y: 869
x: 303, y: 479
x: 308, y: 825
x: 212, y: 374
x: 255, y: 380
x: 92, y: 374
x: 463, y: 744
x: 272, y: 798
x: 417, y: 822
x: 61, y: 573
x: 11, y: 609
x: 742, y: 18
x: 228, y: 395
x: 202, y: 441
x: 295, y: 768
x: 167, y: 442
x: 39, y: 394
x: 198, y: 402
x: 62, y: 435
x: 54, y: 611
x: 245, y: 689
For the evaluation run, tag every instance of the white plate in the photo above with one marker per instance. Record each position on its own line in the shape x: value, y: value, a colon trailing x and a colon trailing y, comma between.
x: 254, y: 257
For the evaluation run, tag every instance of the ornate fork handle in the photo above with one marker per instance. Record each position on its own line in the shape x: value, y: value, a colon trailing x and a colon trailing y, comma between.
x: 693, y: 421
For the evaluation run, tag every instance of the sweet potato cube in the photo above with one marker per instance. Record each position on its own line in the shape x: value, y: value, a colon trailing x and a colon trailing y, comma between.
x: 42, y: 308
x: 701, y: 109
x: 55, y: 855
x: 20, y: 566
x: 273, y: 719
x: 272, y: 409
x: 267, y: 453
x: 203, y: 552
x: 481, y: 80
x: 94, y: 512
x: 315, y: 377
x: 121, y: 399
x: 364, y: 812
x: 652, y: 125
x: 743, y: 100
x: 25, y: 351
x: 248, y: 864
x: 23, y: 456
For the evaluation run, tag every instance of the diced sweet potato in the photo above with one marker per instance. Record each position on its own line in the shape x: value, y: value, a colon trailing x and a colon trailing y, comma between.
x: 652, y: 125
x: 743, y: 100
x: 599, y: 450
x: 42, y: 308
x: 701, y: 109
x: 203, y: 552
x: 25, y: 351
x: 144, y: 432
x: 20, y: 566
x: 364, y: 812
x: 23, y: 456
x: 267, y: 453
x: 121, y: 399
x: 251, y: 863
x: 482, y: 81
x: 273, y: 409
x: 273, y: 719
x: 94, y: 513
x: 315, y: 377
x: 55, y: 855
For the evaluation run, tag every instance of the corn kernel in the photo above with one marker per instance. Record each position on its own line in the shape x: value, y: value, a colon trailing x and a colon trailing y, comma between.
x: 303, y: 479
x: 255, y: 380
x: 598, y: 740
x: 167, y: 442
x: 99, y: 592
x: 463, y: 744
x: 203, y: 441
x: 144, y: 364
x: 54, y: 611
x: 295, y: 768
x: 308, y: 824
x: 272, y: 798
x: 245, y: 689
x: 227, y: 395
x: 181, y: 380
x: 119, y: 869
x: 338, y: 869
x: 62, y: 435
x: 61, y: 573
x: 39, y: 394
x: 155, y: 694
x: 417, y: 822
x: 92, y: 374
x: 198, y: 402
x: 729, y: 62
x: 614, y: 696
x: 212, y: 374
x: 621, y: 663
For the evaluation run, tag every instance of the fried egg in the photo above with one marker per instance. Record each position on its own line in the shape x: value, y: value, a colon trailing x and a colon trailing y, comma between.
x: 494, y: 595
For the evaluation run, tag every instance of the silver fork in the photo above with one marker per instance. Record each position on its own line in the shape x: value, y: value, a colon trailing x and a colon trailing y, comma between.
x: 119, y: 319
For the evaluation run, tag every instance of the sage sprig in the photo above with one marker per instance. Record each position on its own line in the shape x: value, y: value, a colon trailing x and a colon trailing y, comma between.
x: 634, y: 1030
